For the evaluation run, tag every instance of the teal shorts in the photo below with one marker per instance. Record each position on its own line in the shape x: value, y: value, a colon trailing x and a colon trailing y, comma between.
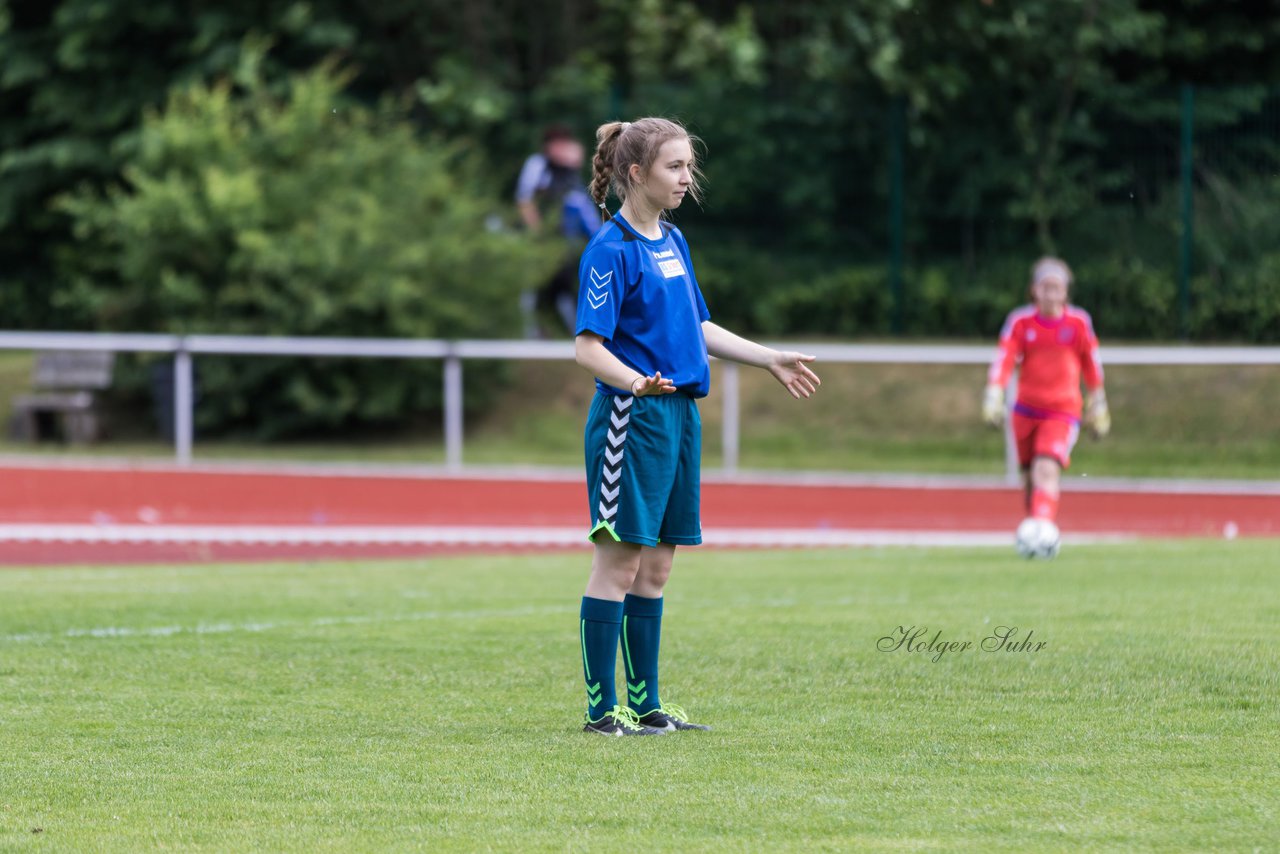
x: 643, y: 457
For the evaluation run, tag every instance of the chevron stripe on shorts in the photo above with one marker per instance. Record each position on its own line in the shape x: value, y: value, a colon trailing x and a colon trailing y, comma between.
x: 611, y: 482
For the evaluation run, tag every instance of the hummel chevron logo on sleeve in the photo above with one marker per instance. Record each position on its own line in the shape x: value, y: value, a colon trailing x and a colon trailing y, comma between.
x: 598, y: 288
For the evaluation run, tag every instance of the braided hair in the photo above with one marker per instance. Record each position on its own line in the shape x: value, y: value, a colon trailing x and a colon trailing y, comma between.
x: 619, y: 145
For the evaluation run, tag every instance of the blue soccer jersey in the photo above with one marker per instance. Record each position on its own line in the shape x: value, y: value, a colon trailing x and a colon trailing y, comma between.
x: 641, y: 297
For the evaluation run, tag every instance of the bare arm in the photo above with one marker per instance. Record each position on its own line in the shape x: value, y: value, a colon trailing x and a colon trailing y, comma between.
x: 529, y: 215
x: 787, y: 366
x: 723, y: 344
x: 589, y: 352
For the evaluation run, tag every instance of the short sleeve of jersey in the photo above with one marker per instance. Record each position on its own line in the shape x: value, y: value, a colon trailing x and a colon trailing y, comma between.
x: 601, y: 286
x: 703, y: 313
x: 531, y: 176
x: 1009, y: 350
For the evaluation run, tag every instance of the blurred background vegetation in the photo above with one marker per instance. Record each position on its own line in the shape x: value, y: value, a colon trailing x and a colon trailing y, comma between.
x: 875, y: 169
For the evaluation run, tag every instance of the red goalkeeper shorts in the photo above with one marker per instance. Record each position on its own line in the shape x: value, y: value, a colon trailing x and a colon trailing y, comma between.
x: 1044, y: 437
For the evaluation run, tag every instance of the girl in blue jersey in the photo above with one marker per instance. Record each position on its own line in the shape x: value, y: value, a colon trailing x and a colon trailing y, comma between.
x: 644, y: 332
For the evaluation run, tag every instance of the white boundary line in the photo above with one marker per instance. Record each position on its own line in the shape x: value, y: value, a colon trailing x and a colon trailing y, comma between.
x: 357, y: 535
x: 560, y: 474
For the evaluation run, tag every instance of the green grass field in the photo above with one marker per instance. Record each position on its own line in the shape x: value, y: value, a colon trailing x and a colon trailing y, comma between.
x: 434, y: 704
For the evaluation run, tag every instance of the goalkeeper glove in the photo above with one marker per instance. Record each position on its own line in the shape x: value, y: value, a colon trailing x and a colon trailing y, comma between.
x: 1098, y: 416
x: 993, y: 405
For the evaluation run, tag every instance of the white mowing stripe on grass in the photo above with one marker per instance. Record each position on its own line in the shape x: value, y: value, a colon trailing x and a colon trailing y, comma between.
x: 113, y: 632
x: 366, y: 535
x: 108, y: 632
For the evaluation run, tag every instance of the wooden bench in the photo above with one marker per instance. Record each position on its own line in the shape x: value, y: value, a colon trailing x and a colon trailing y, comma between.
x: 64, y: 401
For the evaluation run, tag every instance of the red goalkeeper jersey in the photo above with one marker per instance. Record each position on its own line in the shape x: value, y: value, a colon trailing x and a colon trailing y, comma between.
x: 1053, y: 355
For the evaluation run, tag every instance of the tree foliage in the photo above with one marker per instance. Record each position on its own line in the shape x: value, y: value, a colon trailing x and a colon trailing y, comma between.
x: 245, y: 212
x: 1030, y: 126
x: 75, y: 77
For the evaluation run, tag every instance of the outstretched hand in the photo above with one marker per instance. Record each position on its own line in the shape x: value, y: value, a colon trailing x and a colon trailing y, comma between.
x: 656, y: 384
x: 789, y: 368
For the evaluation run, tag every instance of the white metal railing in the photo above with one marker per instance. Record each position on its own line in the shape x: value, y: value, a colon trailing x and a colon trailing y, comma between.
x: 185, y: 347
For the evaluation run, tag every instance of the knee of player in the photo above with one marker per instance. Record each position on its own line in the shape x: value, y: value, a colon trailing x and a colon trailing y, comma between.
x: 1045, y: 472
x: 621, y: 570
x: 655, y: 573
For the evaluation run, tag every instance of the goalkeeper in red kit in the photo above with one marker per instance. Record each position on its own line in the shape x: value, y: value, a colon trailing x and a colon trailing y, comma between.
x: 1053, y: 345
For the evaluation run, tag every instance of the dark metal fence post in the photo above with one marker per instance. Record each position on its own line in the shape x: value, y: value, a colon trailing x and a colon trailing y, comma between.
x: 897, y: 142
x: 1188, y: 212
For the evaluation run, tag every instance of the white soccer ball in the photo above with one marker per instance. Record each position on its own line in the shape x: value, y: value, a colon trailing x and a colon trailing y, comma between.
x: 1038, y: 538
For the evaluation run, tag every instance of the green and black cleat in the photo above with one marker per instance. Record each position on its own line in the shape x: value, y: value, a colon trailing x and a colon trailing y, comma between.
x: 669, y: 719
x: 621, y: 721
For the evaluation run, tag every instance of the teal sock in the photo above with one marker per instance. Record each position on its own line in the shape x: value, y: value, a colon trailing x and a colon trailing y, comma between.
x: 641, y: 632
x: 598, y: 629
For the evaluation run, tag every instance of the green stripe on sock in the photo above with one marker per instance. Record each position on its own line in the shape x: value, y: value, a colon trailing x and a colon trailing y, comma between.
x: 634, y: 692
x: 641, y: 638
x: 626, y: 649
x: 599, y: 623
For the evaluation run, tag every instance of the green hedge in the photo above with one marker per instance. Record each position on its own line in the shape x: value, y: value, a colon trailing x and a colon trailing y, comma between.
x: 763, y: 293
x: 300, y: 213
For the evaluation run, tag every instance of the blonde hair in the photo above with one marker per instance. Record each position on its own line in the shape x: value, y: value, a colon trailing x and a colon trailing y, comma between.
x: 621, y: 144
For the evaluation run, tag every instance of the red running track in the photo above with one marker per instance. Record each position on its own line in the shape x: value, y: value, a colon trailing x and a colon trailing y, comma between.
x: 132, y: 496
